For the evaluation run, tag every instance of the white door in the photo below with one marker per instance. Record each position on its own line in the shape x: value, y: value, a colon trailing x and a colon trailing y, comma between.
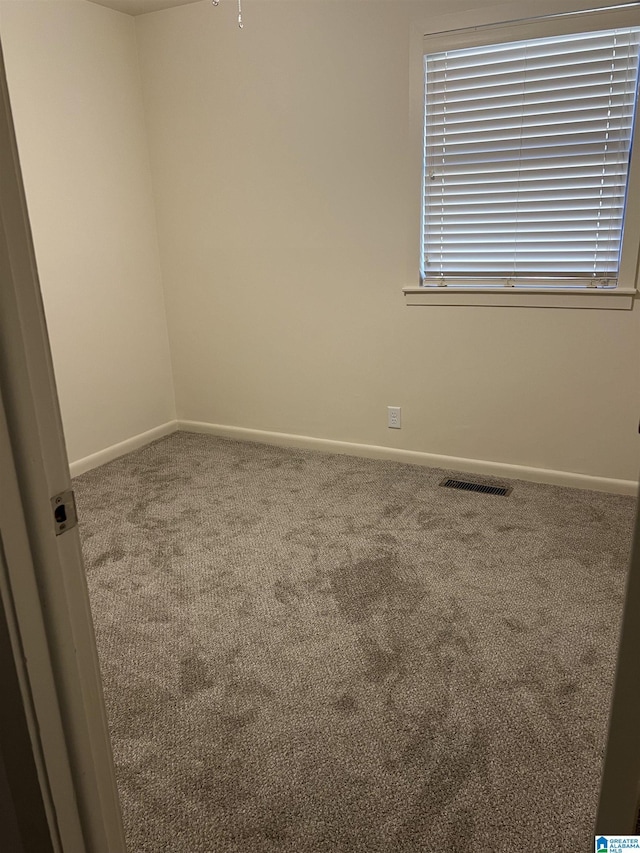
x: 43, y: 586
x: 620, y: 785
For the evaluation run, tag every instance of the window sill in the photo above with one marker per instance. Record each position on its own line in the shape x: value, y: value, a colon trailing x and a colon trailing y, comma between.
x: 520, y: 297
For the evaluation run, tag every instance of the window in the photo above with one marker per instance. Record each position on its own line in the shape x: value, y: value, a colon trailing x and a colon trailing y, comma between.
x: 527, y: 153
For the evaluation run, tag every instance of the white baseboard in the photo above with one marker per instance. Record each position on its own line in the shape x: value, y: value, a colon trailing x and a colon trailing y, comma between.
x: 80, y: 466
x: 414, y: 457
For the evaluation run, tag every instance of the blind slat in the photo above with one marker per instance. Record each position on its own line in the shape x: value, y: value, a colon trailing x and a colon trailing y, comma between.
x: 553, y: 269
x: 471, y: 83
x: 497, y: 224
x: 615, y: 107
x: 508, y: 139
x: 483, y: 232
x: 591, y: 86
x: 581, y: 152
x: 556, y: 190
x: 604, y: 114
x: 614, y: 50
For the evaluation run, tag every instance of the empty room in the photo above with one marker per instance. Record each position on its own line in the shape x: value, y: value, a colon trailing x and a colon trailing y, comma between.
x: 340, y: 297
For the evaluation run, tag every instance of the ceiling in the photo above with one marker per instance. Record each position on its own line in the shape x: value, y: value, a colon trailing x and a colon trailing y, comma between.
x: 139, y: 7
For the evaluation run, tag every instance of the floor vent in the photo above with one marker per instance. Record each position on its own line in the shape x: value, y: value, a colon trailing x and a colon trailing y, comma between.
x: 485, y: 489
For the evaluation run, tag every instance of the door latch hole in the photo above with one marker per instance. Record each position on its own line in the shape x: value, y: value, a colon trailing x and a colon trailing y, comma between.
x: 60, y: 514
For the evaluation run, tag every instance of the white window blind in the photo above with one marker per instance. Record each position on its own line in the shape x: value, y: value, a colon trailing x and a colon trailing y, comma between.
x: 527, y: 148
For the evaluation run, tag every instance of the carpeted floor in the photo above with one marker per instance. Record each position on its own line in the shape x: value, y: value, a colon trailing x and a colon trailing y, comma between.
x: 306, y: 653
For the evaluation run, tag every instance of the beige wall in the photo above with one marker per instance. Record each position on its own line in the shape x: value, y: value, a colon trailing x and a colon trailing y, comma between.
x: 280, y: 158
x: 75, y: 88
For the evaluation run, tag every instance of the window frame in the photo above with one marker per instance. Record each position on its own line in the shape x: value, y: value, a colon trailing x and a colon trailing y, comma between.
x: 562, y: 23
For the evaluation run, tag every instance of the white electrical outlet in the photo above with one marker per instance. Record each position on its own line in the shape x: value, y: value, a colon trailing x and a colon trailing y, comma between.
x: 394, y: 417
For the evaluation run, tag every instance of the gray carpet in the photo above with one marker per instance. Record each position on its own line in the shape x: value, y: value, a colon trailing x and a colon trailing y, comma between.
x: 305, y: 653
